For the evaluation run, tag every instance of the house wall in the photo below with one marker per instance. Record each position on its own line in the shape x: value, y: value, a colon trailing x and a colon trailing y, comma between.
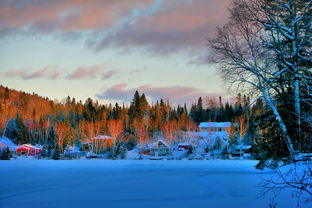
x: 162, y: 151
x: 205, y: 129
x: 100, y: 146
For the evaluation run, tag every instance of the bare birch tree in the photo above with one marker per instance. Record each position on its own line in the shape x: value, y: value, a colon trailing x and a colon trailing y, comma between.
x: 243, y: 59
x: 288, y: 23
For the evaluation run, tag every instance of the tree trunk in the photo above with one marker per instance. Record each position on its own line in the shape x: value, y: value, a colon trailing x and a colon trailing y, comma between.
x: 297, y: 110
x: 281, y: 124
x: 295, y: 66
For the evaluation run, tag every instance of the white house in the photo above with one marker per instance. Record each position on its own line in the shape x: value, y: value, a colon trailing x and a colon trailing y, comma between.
x: 210, y: 131
x: 160, y: 148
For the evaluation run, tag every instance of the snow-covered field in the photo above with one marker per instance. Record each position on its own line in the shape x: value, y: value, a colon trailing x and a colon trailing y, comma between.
x: 134, y: 183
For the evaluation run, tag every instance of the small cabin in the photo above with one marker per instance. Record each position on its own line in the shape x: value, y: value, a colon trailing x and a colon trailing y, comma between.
x: 160, y: 148
x: 28, y: 150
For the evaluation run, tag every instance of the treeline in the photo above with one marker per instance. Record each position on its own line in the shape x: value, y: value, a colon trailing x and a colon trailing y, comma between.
x: 215, y: 111
x: 29, y: 118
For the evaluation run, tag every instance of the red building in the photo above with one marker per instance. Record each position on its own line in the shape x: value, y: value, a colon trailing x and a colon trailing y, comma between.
x: 184, y: 146
x: 28, y: 149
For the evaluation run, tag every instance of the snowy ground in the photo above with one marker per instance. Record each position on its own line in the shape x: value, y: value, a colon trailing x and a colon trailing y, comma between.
x: 125, y: 183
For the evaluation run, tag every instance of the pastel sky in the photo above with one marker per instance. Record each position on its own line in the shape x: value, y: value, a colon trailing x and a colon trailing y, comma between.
x: 107, y: 49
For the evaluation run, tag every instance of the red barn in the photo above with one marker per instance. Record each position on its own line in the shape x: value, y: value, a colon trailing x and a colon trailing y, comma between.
x: 28, y: 149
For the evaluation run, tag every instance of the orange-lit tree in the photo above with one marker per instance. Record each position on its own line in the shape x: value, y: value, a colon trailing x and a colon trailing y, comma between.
x: 231, y: 135
x: 61, y: 131
x: 242, y: 129
x: 115, y: 129
x: 169, y: 130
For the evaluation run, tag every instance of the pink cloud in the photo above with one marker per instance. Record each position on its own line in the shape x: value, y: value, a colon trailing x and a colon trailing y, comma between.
x: 92, y: 72
x: 176, y: 94
x: 176, y: 26
x: 55, y: 75
x: 48, y: 72
x: 67, y: 15
x: 109, y: 74
x: 162, y: 28
x: 139, y: 70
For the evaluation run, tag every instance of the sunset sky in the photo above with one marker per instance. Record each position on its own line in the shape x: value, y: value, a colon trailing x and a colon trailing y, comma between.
x: 107, y: 49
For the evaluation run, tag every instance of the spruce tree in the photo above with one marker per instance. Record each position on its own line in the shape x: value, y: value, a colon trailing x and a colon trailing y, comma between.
x: 56, y: 153
x: 6, y: 155
x: 22, y: 136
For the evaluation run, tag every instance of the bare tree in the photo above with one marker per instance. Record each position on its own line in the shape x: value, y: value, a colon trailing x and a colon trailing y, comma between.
x: 288, y: 23
x: 115, y: 129
x: 119, y: 145
x: 243, y: 59
x: 61, y: 131
x: 169, y: 130
x: 141, y: 132
x: 296, y: 177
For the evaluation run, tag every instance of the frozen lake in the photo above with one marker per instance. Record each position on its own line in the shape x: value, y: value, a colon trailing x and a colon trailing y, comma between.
x: 126, y: 183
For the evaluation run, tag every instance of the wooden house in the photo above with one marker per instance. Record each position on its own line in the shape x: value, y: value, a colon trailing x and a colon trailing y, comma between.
x: 160, y: 148
x: 99, y: 144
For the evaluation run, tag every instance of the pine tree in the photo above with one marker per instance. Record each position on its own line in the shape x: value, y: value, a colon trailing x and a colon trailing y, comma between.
x: 22, y: 136
x: 56, y: 153
x: 144, y: 106
x: 6, y: 155
x: 197, y: 112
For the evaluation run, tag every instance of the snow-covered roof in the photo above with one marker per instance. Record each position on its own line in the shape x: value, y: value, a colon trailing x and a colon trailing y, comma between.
x: 243, y: 147
x: 160, y: 142
x: 28, y: 146
x: 213, y: 134
x: 215, y: 124
x: 102, y: 137
x: 5, y: 141
x: 183, y: 144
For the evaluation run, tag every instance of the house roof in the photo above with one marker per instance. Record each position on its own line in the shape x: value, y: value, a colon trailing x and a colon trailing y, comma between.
x: 160, y: 142
x: 183, y: 144
x: 215, y: 124
x: 28, y: 146
x: 5, y: 141
x: 243, y: 147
